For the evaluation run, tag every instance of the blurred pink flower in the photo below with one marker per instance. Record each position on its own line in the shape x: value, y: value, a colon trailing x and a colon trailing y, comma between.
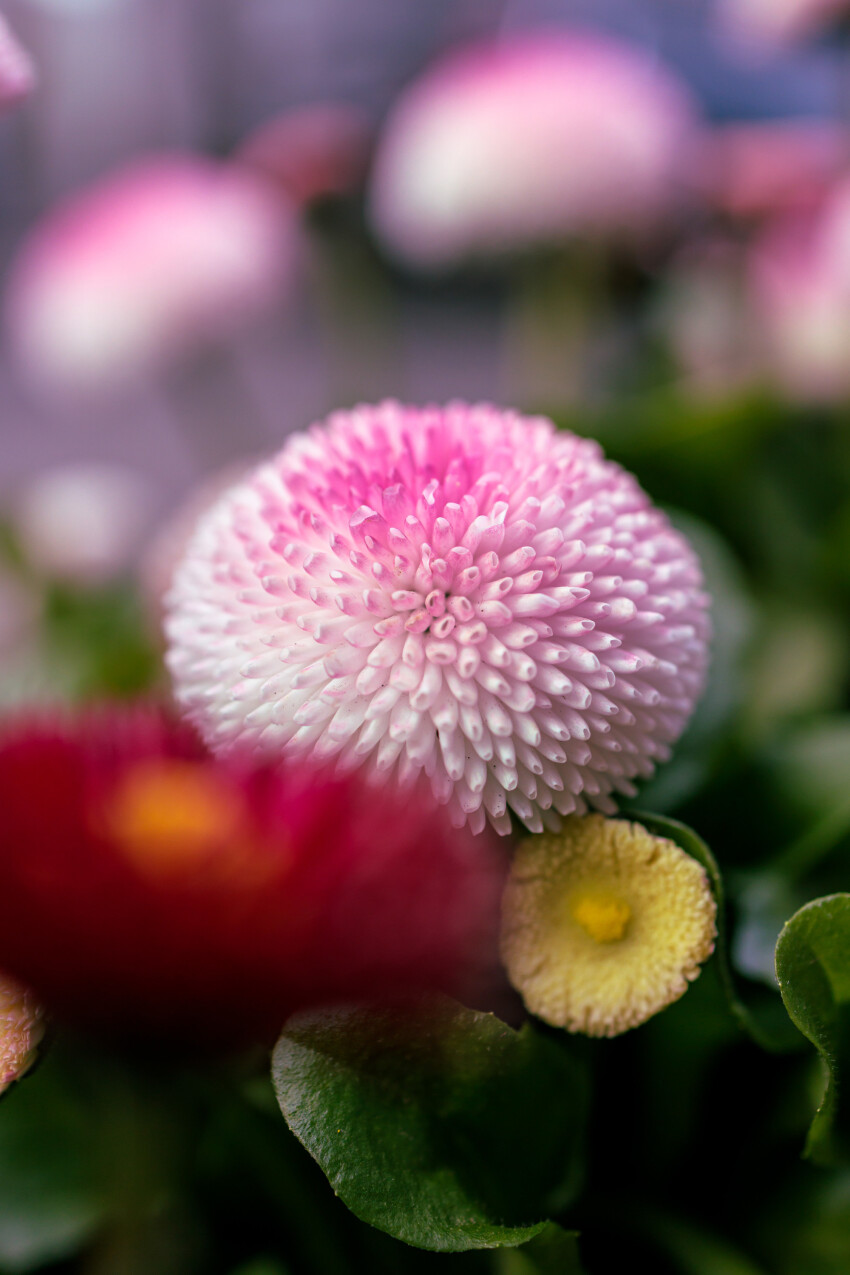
x: 502, y: 146
x: 82, y: 523
x: 17, y: 75
x: 773, y: 22
x: 459, y: 590
x: 171, y: 252
x: 757, y: 169
x: 799, y: 285
x: 312, y: 151
x: 160, y: 895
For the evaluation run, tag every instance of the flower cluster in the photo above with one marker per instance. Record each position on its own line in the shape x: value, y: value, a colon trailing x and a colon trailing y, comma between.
x: 462, y: 591
x: 150, y: 891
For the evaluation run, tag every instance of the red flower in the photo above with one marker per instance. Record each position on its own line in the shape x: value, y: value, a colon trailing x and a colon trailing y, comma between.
x: 146, y: 889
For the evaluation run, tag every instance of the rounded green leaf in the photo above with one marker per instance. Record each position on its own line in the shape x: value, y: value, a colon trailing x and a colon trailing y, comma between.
x: 440, y: 1125
x: 813, y: 969
x: 50, y: 1204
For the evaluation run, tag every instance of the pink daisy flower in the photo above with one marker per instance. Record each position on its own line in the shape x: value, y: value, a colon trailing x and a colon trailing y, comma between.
x: 167, y: 255
x: 798, y: 280
x: 462, y: 591
x: 505, y: 145
x: 160, y: 895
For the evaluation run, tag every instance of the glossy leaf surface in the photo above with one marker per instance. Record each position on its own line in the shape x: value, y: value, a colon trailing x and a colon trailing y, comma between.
x: 440, y: 1125
x: 813, y: 969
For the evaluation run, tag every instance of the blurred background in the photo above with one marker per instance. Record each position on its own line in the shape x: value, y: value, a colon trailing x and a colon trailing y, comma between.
x: 221, y: 220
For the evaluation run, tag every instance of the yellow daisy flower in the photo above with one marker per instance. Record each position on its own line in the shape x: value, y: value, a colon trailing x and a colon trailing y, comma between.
x: 603, y: 924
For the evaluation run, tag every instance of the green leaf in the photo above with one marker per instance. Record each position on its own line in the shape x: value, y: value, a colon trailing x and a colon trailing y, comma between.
x: 551, y: 1252
x: 440, y: 1125
x: 101, y: 639
x: 760, y: 1027
x: 49, y: 1201
x: 813, y: 969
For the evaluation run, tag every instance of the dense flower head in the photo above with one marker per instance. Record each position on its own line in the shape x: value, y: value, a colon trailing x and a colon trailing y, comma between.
x: 502, y: 146
x: 604, y: 924
x: 459, y: 590
x: 21, y: 1030
x: 150, y: 891
x: 167, y: 253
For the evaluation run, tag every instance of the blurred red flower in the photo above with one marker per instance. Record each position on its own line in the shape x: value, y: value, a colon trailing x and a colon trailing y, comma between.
x: 149, y: 891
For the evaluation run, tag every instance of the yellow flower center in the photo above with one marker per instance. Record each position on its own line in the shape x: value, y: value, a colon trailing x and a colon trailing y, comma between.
x: 170, y: 814
x: 602, y: 916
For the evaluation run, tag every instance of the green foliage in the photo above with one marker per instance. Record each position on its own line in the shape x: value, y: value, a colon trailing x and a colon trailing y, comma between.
x: 100, y: 640
x: 551, y: 1252
x: 813, y: 969
x: 50, y: 1204
x: 439, y: 1125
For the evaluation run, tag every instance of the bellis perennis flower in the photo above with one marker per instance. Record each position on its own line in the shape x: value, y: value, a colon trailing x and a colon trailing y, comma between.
x: 150, y: 892
x: 506, y: 145
x: 458, y: 590
x: 604, y: 925
x: 160, y: 258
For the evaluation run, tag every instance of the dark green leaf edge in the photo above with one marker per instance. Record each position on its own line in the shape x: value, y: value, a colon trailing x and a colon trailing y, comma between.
x: 553, y: 1251
x: 477, y: 1234
x: 798, y: 964
x: 689, y: 841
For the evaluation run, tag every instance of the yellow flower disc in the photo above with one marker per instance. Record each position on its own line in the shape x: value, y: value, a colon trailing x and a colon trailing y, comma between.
x: 603, y: 924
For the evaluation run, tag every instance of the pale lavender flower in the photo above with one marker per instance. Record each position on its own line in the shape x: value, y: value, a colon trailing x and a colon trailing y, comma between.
x: 459, y: 590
